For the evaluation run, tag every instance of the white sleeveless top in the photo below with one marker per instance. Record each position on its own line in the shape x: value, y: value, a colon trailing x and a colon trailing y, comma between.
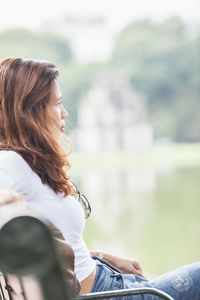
x: 64, y: 212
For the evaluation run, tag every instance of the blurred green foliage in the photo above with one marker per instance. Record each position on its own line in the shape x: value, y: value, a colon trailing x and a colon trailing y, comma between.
x: 39, y: 45
x: 75, y: 80
x: 161, y: 60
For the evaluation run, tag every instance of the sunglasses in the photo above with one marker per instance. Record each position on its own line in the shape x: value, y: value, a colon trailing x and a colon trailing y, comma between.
x: 82, y: 200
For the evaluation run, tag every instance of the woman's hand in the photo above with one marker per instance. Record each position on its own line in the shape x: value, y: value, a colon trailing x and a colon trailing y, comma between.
x: 8, y: 196
x: 125, y: 265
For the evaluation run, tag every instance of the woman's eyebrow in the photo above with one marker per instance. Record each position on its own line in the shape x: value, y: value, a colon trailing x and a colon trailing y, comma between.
x: 59, y: 98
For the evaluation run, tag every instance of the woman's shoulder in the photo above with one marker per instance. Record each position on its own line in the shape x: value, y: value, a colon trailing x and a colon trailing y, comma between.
x: 11, y: 158
x: 14, y: 164
x: 5, y: 154
x: 16, y: 173
x: 8, y: 161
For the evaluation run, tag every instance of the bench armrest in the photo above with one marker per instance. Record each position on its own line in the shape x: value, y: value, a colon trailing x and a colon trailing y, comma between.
x: 123, y: 293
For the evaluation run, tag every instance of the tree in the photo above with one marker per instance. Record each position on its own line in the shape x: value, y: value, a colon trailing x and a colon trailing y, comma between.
x: 163, y: 63
x: 26, y: 43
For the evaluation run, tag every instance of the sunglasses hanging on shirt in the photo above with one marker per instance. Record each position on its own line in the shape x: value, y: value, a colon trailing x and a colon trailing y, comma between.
x: 82, y: 200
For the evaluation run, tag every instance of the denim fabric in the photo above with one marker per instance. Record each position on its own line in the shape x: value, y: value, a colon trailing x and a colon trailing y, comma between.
x: 181, y: 284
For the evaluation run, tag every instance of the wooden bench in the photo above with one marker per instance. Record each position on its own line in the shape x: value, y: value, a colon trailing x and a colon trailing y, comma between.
x: 30, y: 265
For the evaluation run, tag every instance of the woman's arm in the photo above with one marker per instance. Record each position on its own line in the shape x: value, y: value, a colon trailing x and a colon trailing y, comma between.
x: 125, y: 265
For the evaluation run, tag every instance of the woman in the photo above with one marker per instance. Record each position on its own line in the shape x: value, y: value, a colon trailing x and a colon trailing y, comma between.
x: 34, y: 164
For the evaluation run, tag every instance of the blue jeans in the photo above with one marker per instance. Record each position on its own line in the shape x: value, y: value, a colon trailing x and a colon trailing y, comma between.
x: 181, y: 284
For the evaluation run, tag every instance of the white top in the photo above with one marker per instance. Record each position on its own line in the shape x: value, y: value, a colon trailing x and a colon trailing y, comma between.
x: 64, y: 212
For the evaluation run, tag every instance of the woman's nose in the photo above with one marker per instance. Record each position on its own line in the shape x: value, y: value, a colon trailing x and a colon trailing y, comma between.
x: 64, y: 113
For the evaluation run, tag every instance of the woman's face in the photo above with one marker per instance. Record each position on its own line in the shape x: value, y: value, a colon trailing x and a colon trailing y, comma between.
x: 55, y: 109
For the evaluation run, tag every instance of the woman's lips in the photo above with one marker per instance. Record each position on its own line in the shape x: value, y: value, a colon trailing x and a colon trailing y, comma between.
x: 62, y: 128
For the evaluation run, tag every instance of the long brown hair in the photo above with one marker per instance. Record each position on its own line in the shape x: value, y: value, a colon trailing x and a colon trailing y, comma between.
x: 25, y: 86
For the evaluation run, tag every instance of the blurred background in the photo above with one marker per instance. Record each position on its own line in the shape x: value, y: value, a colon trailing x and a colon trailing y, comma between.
x: 130, y: 79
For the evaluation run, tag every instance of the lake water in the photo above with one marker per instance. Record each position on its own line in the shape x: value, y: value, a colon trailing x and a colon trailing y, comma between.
x: 147, y: 212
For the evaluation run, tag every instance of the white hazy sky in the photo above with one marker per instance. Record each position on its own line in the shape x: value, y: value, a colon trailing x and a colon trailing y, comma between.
x: 32, y: 14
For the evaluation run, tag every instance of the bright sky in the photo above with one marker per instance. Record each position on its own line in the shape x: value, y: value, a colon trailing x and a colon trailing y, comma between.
x: 32, y: 14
